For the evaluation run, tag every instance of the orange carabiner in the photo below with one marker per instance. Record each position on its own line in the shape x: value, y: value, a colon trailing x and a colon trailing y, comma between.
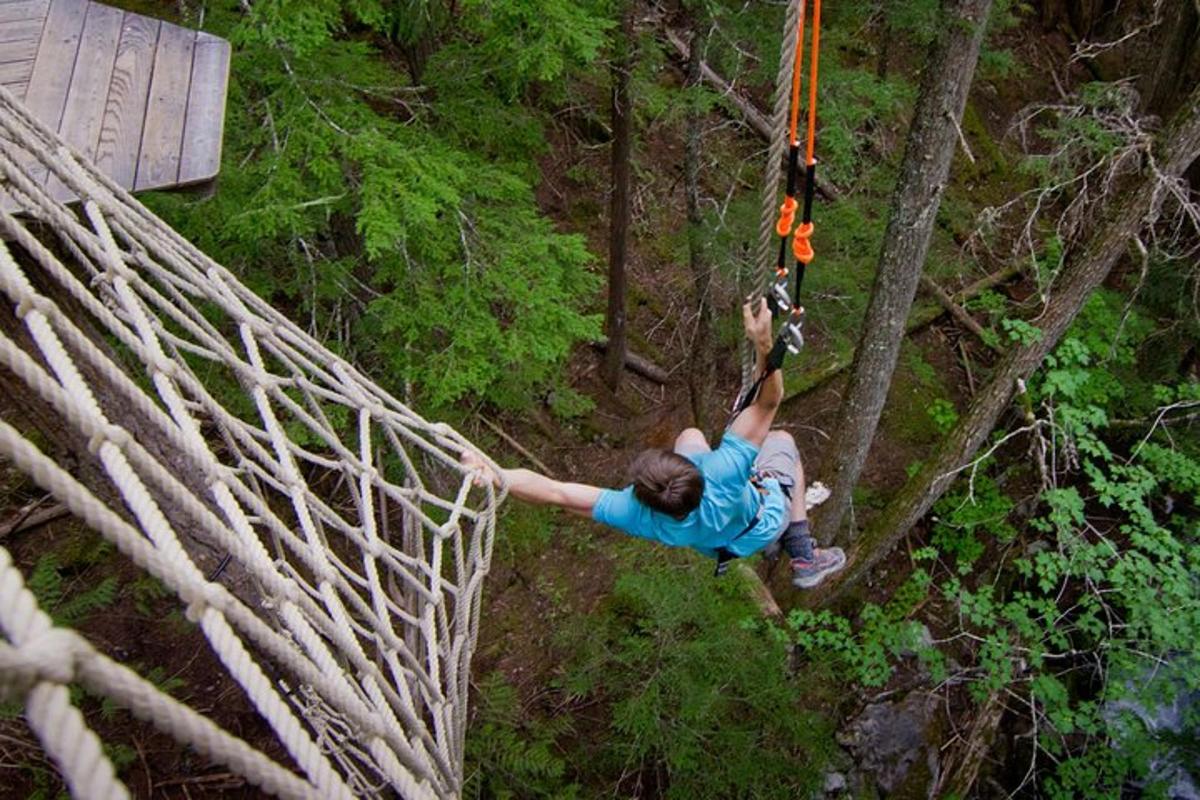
x: 802, y: 243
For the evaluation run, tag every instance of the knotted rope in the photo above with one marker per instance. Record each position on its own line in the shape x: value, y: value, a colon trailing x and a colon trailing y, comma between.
x: 349, y: 539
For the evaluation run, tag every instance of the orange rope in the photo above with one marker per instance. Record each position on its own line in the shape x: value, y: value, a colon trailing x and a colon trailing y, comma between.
x: 801, y: 237
x: 787, y: 211
x: 812, y: 83
x: 796, y: 68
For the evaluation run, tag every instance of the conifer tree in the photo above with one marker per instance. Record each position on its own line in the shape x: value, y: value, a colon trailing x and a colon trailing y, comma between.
x: 619, y: 205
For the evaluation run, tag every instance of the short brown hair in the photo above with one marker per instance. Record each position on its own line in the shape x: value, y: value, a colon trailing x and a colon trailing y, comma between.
x: 667, y: 482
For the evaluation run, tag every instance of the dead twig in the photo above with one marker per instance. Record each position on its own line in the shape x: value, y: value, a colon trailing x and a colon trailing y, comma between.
x: 515, y: 445
x: 31, y: 518
x: 956, y: 311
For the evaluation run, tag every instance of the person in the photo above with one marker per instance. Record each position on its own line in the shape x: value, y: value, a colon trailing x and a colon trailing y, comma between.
x: 743, y: 497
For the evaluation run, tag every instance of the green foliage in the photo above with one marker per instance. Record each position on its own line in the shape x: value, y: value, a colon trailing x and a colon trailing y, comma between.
x: 147, y: 591
x: 699, y: 692
x: 1107, y: 597
x: 1085, y: 134
x: 865, y: 655
x: 510, y: 754
x: 381, y: 214
x: 1020, y: 331
x: 58, y: 581
x: 943, y: 414
x: 966, y: 512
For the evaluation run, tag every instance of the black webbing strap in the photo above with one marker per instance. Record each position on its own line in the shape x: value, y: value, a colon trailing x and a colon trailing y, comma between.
x: 774, y: 362
x: 725, y: 555
x: 810, y: 188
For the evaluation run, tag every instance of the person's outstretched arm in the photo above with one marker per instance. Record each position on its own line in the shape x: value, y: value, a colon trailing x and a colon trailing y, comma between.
x: 533, y: 487
x: 755, y: 422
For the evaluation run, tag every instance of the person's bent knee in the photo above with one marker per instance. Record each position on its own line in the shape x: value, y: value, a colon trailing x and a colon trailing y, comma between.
x: 783, y: 438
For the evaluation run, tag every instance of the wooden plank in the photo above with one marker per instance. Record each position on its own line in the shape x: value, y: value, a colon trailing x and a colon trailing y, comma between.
x: 125, y: 109
x: 16, y: 71
x: 21, y: 30
x: 18, y: 89
x: 24, y: 9
x: 200, y: 159
x: 55, y: 62
x: 24, y: 50
x: 54, y: 66
x: 162, y: 134
x: 88, y: 91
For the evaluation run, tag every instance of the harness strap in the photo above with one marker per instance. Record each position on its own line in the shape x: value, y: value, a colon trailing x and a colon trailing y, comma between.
x: 724, y: 554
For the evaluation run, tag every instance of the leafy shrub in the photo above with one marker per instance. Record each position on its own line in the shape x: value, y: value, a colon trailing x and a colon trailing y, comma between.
x: 701, y: 701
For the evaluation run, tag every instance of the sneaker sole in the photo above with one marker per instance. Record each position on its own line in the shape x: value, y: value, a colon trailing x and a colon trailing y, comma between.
x: 810, y: 581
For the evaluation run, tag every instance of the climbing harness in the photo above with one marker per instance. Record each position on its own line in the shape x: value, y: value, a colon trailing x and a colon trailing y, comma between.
x: 791, y: 337
x: 725, y: 554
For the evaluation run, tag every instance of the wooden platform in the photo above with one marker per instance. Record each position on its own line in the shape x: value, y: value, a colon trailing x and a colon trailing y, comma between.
x: 144, y: 99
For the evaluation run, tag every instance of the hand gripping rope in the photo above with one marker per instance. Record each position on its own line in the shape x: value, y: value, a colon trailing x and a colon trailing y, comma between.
x: 791, y: 337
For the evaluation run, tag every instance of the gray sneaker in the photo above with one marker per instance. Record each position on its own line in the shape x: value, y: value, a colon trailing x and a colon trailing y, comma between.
x: 826, y: 561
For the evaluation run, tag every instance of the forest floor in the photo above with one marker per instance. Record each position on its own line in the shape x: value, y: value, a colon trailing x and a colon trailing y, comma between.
x: 552, y: 582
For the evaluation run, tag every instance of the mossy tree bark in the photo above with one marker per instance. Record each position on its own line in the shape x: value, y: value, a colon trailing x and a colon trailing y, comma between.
x: 1127, y: 210
x: 1176, y: 63
x: 928, y: 152
x: 700, y: 363
x: 619, y: 208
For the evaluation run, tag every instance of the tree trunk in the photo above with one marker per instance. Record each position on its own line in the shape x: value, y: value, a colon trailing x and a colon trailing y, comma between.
x: 700, y: 378
x: 883, y: 9
x: 1127, y: 210
x: 28, y: 412
x: 932, y: 139
x: 415, y: 29
x: 1175, y: 64
x: 619, y: 208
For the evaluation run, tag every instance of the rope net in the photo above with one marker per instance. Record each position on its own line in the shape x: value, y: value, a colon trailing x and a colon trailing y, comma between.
x: 323, y: 536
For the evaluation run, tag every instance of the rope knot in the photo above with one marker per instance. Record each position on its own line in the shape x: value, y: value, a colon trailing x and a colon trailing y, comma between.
x: 165, y: 366
x: 108, y: 433
x: 35, y: 302
x: 49, y: 656
x: 211, y: 594
x: 118, y: 269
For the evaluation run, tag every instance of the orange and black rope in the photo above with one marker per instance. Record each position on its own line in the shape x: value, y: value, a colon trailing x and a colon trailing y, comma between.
x: 790, y: 337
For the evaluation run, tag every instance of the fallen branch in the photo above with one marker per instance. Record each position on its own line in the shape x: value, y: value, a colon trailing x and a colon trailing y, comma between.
x: 754, y: 118
x: 30, y: 519
x: 961, y: 766
x: 514, y: 444
x: 956, y: 311
x: 638, y: 365
x: 759, y: 592
x: 921, y: 317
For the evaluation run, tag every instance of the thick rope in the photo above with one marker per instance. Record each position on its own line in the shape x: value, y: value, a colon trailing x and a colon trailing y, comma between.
x: 765, y: 254
x: 364, y: 597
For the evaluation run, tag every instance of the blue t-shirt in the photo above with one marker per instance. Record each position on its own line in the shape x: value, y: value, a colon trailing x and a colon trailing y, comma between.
x: 727, y: 507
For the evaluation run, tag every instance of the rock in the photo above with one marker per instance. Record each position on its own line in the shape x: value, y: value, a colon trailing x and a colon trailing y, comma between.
x: 922, y: 640
x: 1035, y: 547
x: 835, y: 782
x: 888, y: 738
